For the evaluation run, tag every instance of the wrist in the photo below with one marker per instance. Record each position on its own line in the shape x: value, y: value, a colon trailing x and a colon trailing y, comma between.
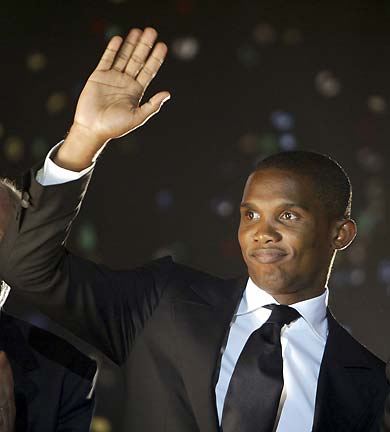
x: 79, y: 149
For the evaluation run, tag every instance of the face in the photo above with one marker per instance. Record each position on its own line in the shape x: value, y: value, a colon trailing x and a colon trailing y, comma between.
x: 287, y: 239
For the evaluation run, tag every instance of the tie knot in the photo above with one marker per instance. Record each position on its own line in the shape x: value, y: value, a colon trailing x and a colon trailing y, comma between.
x: 282, y: 314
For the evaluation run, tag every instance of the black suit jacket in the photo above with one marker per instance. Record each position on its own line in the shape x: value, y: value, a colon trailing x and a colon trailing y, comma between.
x: 53, y: 381
x: 166, y: 321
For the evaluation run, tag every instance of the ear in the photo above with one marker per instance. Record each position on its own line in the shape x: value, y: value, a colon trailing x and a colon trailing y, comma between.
x: 344, y: 233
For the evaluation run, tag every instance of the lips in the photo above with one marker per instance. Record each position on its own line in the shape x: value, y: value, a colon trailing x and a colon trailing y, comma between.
x: 268, y: 256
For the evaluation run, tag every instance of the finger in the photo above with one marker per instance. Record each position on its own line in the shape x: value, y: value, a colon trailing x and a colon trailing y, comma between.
x: 152, y: 107
x: 127, y: 49
x: 109, y: 54
x: 141, y: 52
x: 152, y: 65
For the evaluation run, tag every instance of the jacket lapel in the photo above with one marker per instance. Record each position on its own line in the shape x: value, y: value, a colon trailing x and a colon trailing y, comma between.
x: 202, y: 320
x: 346, y: 384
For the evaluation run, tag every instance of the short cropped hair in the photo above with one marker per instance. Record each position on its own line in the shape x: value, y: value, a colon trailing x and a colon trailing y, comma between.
x: 13, y: 192
x: 331, y: 182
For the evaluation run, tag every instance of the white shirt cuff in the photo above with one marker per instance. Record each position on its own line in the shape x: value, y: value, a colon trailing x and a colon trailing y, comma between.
x: 51, y: 174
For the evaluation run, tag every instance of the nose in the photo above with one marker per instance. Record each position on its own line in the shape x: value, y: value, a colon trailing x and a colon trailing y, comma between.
x: 265, y: 232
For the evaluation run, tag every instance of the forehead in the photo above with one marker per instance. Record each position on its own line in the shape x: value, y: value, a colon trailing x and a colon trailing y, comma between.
x: 273, y: 184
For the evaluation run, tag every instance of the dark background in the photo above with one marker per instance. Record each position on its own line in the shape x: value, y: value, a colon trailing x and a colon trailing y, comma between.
x: 248, y: 79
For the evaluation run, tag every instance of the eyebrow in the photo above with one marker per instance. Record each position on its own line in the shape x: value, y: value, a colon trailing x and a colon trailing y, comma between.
x: 249, y: 205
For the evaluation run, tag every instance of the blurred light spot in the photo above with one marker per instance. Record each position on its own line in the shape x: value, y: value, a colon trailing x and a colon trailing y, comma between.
x: 292, y: 37
x: 357, y: 277
x: 264, y: 33
x: 97, y: 28
x: 222, y: 207
x: 247, y: 55
x: 377, y: 104
x: 185, y: 6
x: 287, y: 142
x: 282, y: 120
x: 268, y: 143
x: 185, y: 48
x: 366, y: 222
x: 36, y: 61
x: 340, y: 278
x: 13, y: 148
x: 100, y: 424
x: 370, y: 160
x: 112, y: 30
x: 384, y: 271
x: 177, y: 250
x: 164, y: 199
x: 327, y: 84
x: 249, y: 143
x: 87, y: 238
x: 39, y: 147
x: 56, y: 102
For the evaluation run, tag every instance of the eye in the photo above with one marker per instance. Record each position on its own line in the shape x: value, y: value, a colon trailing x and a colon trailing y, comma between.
x: 251, y: 215
x: 289, y: 216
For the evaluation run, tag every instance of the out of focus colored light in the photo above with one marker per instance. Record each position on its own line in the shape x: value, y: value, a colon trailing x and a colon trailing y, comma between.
x: 164, y: 199
x: 87, y: 238
x: 357, y: 277
x: 268, y: 143
x: 282, y: 120
x: 100, y: 424
x: 56, y: 102
x: 327, y: 84
x: 13, y: 148
x: 287, y: 142
x: 247, y: 55
x: 250, y: 143
x: 292, y: 37
x: 185, y: 48
x: 36, y: 61
x: 377, y: 104
x: 222, y: 207
x: 39, y: 147
x: 112, y: 30
x: 264, y: 33
x: 384, y: 271
x: 370, y: 160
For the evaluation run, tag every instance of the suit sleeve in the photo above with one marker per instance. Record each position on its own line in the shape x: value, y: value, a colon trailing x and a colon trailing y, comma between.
x: 105, y: 308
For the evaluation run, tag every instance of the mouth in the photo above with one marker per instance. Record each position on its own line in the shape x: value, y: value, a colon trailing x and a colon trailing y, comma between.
x: 268, y: 256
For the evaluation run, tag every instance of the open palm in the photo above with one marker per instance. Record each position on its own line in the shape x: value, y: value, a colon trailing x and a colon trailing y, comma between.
x: 109, y: 105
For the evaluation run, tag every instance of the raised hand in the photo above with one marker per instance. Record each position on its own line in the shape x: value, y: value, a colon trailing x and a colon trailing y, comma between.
x: 7, y: 398
x: 109, y: 105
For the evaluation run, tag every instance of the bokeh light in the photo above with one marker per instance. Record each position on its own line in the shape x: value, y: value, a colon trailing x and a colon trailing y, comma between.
x: 282, y: 120
x: 264, y: 33
x: 164, y: 199
x: 287, y: 142
x: 36, y: 61
x: 222, y: 207
x: 292, y: 36
x: 87, y: 237
x: 327, y: 84
x: 100, y: 424
x: 14, y: 148
x: 185, y: 48
x: 56, y: 102
x: 377, y: 104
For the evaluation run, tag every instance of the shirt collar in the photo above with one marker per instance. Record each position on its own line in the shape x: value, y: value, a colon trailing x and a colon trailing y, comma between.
x: 313, y: 310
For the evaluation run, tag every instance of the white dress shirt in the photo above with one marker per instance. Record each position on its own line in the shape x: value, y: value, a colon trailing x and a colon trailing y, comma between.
x: 303, y: 343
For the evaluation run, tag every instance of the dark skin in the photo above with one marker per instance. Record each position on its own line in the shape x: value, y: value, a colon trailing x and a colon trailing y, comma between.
x: 287, y: 238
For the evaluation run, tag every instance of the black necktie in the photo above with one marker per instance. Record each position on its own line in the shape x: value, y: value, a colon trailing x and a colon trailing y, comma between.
x: 254, y: 391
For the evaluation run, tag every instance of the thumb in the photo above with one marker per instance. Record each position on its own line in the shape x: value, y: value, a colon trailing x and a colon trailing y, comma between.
x: 153, y: 105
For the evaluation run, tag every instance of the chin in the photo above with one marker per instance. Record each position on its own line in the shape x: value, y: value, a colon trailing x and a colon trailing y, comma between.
x: 271, y: 282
